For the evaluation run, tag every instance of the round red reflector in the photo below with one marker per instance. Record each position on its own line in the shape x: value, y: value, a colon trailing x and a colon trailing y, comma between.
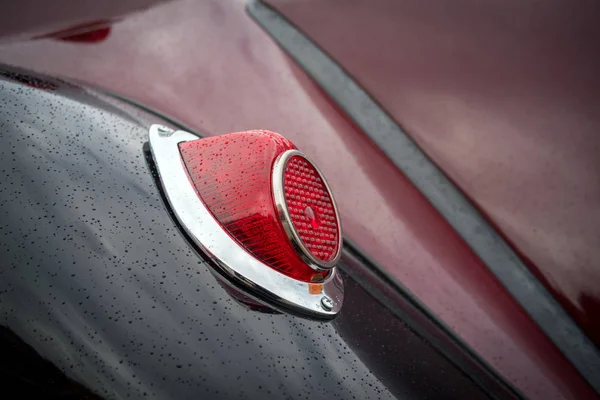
x: 308, y: 211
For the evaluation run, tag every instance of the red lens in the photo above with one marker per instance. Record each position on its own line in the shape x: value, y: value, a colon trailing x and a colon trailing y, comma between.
x: 311, y: 209
x: 232, y: 176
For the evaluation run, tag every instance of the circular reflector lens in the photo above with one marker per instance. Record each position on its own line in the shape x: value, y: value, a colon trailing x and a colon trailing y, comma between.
x: 311, y: 212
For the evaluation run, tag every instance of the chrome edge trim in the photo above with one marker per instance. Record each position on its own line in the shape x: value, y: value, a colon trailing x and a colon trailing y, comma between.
x: 228, y: 256
x: 449, y: 201
x: 284, y: 215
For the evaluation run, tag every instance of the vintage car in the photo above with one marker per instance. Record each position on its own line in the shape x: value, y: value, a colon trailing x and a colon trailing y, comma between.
x: 296, y: 199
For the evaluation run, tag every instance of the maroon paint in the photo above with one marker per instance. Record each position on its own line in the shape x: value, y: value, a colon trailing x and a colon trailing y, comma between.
x: 26, y: 19
x: 210, y: 65
x: 503, y: 95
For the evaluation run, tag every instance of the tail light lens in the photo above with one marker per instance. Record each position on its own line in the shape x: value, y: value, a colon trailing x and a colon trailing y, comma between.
x: 270, y: 198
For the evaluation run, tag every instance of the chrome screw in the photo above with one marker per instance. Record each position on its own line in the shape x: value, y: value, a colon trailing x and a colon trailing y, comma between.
x: 327, y: 303
x: 164, y: 131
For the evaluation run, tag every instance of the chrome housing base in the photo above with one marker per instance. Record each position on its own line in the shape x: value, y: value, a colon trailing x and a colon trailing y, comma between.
x: 321, y: 300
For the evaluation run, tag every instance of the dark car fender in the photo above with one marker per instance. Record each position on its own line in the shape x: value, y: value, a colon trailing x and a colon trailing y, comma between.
x: 98, y: 285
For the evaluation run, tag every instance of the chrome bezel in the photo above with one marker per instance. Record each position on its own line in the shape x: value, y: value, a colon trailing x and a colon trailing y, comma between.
x: 284, y: 215
x: 228, y: 255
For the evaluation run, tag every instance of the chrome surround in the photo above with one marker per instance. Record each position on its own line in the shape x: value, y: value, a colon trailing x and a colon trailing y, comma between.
x: 229, y: 257
x: 284, y: 215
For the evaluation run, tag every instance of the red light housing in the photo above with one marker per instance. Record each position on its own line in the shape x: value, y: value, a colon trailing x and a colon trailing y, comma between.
x: 270, y: 198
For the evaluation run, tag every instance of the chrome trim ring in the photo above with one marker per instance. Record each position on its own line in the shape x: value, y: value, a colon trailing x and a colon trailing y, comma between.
x: 284, y: 215
x: 228, y: 256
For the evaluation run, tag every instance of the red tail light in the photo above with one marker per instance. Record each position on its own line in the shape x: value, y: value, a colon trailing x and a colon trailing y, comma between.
x: 270, y: 198
x: 259, y: 210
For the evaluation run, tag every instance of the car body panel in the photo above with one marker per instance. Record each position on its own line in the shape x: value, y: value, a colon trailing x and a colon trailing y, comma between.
x: 98, y: 280
x: 209, y: 65
x: 503, y: 96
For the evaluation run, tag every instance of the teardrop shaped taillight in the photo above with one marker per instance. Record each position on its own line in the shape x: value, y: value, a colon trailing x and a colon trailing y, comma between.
x: 260, y: 209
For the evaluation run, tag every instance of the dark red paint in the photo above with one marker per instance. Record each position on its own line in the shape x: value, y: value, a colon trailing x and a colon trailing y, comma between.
x: 26, y: 19
x: 503, y: 96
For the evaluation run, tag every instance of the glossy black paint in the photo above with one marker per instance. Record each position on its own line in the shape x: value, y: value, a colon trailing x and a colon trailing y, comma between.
x: 32, y: 377
x: 96, y: 279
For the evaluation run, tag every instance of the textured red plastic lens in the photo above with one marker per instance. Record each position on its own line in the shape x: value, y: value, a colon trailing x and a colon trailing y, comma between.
x: 232, y: 176
x: 311, y: 209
